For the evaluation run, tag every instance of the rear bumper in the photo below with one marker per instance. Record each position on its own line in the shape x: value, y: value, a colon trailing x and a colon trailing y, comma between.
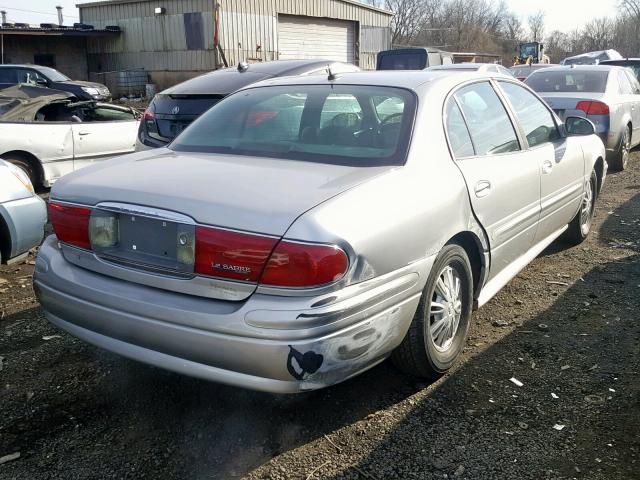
x: 263, y: 343
x: 25, y: 220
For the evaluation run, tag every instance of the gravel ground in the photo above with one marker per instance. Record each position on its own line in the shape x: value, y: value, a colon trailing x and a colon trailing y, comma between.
x: 566, y: 328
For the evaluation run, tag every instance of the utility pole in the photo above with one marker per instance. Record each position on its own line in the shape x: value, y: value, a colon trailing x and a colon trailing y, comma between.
x: 60, y: 19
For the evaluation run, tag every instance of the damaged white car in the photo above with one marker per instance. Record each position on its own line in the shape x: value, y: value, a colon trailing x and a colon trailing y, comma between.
x: 48, y: 133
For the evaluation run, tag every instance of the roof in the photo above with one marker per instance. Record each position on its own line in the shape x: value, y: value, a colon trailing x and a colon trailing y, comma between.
x: 62, y: 32
x: 598, y: 54
x: 592, y: 68
x: 409, y: 79
x: 227, y: 80
x: 115, y: 2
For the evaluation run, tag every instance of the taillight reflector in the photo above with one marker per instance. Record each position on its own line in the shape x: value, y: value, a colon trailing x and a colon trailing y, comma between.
x: 149, y: 114
x: 304, y: 265
x: 70, y: 224
x: 233, y: 255
x: 593, y: 108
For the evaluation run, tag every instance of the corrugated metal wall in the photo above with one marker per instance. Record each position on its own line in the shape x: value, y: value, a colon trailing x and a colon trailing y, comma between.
x: 158, y: 42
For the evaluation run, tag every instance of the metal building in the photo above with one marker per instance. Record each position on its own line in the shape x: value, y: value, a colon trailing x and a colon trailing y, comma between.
x: 177, y: 39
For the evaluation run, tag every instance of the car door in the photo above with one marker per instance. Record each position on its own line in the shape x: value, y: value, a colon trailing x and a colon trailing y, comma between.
x: 99, y: 140
x: 634, y: 99
x: 502, y: 179
x: 561, y: 159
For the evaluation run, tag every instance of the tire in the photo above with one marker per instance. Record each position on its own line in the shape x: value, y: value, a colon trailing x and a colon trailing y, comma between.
x: 580, y: 226
x: 26, y: 167
x: 621, y: 157
x: 422, y: 353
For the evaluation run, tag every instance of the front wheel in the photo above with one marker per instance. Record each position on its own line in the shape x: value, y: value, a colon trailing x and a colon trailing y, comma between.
x: 440, y: 326
x: 580, y: 226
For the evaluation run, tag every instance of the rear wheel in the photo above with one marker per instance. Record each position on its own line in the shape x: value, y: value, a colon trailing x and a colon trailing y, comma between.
x: 440, y: 326
x: 580, y: 226
x: 621, y: 157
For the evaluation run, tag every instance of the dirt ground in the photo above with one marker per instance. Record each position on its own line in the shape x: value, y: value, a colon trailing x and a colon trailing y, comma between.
x: 566, y: 327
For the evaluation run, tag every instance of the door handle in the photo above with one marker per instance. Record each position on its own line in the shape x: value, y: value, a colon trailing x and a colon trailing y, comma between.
x: 482, y: 188
x: 82, y: 134
x: 547, y: 166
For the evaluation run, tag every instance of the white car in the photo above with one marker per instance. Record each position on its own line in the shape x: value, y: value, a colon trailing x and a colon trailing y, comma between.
x: 48, y: 133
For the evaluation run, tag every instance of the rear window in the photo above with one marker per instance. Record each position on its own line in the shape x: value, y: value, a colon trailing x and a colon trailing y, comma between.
x: 568, y: 81
x: 341, y: 124
x: 402, y: 61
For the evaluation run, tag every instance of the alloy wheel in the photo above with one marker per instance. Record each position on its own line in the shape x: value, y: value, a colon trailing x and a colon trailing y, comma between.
x: 586, y: 210
x: 445, y: 309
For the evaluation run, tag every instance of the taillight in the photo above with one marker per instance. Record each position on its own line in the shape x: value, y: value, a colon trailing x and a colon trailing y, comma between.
x: 233, y: 255
x: 304, y: 265
x: 593, y: 107
x: 70, y: 224
x: 149, y: 114
x: 149, y: 119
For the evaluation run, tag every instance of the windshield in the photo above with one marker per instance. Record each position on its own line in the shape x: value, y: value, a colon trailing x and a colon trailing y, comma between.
x: 53, y: 74
x: 529, y: 50
x: 568, y: 81
x: 341, y: 124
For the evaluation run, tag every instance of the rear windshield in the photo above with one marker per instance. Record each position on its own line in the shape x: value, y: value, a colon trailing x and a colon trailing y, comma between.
x: 402, y: 61
x: 341, y: 124
x: 568, y: 81
x: 523, y: 71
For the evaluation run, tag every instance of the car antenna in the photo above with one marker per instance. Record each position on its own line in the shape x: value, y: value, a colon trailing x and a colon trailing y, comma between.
x: 332, y: 76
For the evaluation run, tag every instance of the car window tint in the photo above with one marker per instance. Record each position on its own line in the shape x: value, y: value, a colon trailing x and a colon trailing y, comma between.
x: 329, y: 123
x: 8, y: 75
x: 457, y: 131
x: 635, y: 85
x: 536, y: 120
x: 488, y: 122
x: 568, y: 80
x: 624, y: 86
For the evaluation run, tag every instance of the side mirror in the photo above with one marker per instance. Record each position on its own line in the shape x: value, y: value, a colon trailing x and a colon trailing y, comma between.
x: 41, y: 81
x: 579, y: 126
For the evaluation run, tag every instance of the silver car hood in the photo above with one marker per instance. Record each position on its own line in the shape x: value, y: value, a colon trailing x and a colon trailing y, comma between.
x: 247, y: 193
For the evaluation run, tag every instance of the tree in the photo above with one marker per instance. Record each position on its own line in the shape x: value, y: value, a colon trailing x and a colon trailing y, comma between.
x: 536, y: 26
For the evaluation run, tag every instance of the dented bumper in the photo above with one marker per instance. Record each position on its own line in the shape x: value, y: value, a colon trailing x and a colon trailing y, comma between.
x: 275, y: 344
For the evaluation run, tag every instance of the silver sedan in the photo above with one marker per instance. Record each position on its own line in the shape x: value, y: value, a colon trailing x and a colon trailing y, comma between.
x: 609, y: 96
x: 22, y: 214
x: 305, y: 229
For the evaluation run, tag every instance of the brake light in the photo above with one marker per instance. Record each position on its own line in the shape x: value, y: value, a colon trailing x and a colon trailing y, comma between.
x: 71, y: 224
x: 233, y: 255
x: 149, y: 114
x: 304, y: 265
x: 593, y: 108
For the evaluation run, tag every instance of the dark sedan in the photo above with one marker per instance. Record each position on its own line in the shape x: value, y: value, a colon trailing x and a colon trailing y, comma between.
x: 11, y: 75
x: 173, y: 109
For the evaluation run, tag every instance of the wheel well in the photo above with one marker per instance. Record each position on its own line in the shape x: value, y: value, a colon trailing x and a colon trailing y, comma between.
x: 599, y: 168
x: 5, y: 241
x: 27, y: 157
x: 473, y: 248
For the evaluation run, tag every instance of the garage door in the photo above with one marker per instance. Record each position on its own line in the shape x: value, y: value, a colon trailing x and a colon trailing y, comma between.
x: 311, y: 37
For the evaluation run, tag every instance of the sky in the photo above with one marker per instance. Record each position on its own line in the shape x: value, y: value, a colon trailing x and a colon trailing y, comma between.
x: 564, y: 15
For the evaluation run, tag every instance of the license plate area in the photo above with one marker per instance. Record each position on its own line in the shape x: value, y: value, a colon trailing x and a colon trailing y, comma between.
x: 151, y: 244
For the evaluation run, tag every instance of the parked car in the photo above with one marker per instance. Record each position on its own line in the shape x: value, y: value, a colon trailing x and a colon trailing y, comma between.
x: 412, y: 58
x: 22, y: 214
x: 473, y: 67
x: 11, y: 75
x: 631, y: 63
x: 608, y: 96
x: 521, y: 72
x: 49, y: 133
x: 592, y: 58
x: 295, y: 235
x: 172, y: 110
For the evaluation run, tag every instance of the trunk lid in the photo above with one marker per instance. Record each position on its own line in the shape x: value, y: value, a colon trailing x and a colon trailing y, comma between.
x: 564, y: 104
x: 252, y: 194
